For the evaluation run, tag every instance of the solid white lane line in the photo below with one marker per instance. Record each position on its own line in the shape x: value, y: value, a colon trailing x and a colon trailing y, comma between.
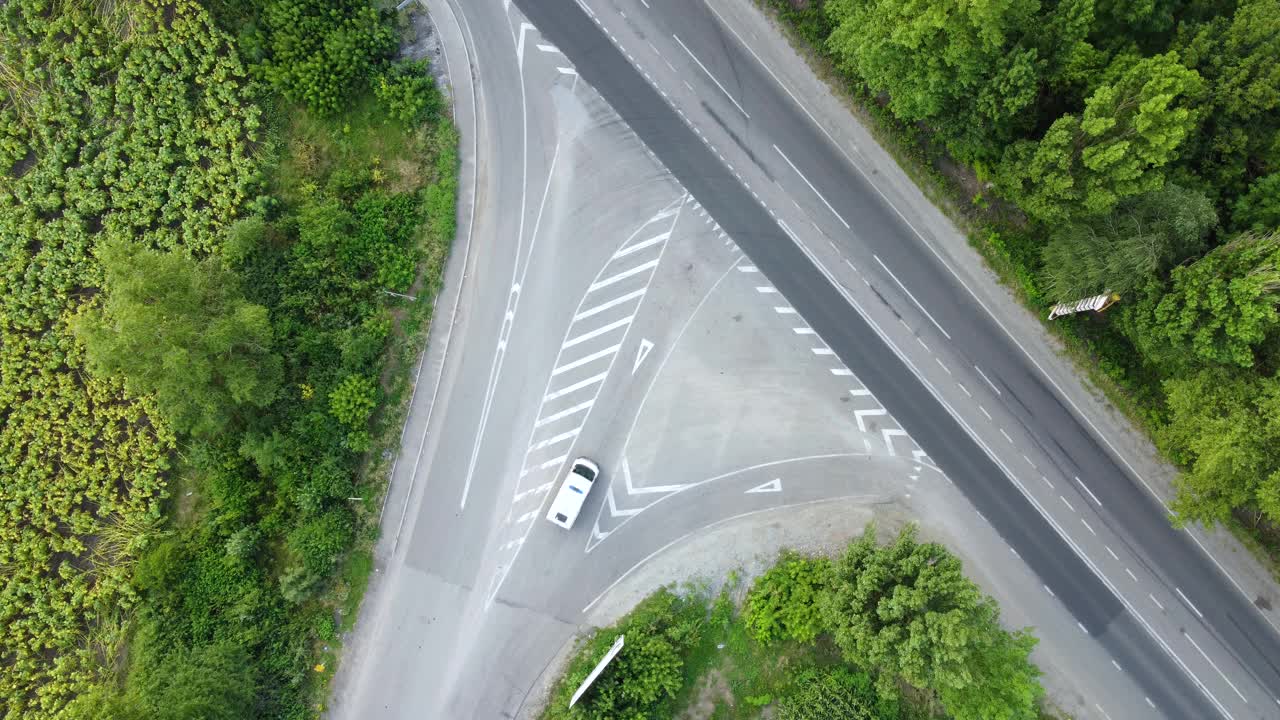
x: 1214, y: 665
x: 811, y: 187
x: 612, y: 303
x: 1064, y: 500
x: 642, y: 245
x: 622, y: 275
x: 1111, y: 552
x: 984, y: 377
x: 583, y: 361
x: 564, y: 413
x: 914, y: 300
x: 1190, y: 604
x: 1091, y: 530
x: 556, y: 439
x: 713, y: 77
x: 1086, y: 489
x: 1157, y: 602
x: 1131, y: 575
x: 597, y: 332
x: 593, y: 380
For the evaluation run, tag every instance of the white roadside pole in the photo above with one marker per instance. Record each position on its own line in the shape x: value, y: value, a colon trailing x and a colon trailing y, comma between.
x: 617, y: 645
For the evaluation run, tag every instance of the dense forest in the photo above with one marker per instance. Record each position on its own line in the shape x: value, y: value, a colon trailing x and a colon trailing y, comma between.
x: 205, y: 211
x: 1111, y: 147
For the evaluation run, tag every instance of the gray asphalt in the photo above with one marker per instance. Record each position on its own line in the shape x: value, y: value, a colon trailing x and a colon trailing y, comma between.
x: 1143, y: 522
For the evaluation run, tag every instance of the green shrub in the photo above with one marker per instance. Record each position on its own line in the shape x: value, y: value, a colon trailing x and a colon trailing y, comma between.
x: 834, y: 694
x: 409, y: 93
x: 353, y: 400
x: 783, y: 602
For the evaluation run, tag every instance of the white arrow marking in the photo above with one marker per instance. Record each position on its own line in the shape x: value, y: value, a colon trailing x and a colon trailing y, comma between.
x: 645, y: 347
x: 860, y: 414
x: 888, y: 438
x: 524, y: 28
x: 774, y: 485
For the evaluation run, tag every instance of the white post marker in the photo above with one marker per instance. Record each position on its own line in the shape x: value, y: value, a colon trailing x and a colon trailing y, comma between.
x: 617, y: 645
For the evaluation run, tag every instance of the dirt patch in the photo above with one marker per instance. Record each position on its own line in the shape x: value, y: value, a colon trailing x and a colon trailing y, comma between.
x: 713, y: 689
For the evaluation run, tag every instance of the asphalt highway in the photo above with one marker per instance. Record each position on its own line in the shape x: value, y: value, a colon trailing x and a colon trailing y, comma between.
x: 774, y: 118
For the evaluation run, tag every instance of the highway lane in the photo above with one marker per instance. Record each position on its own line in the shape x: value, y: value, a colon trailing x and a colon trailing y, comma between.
x: 689, y: 158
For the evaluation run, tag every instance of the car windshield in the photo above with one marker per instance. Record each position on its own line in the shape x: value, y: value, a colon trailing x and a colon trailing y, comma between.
x: 584, y: 471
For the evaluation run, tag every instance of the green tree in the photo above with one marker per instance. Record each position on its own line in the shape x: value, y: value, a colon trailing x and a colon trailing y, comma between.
x: 1223, y: 306
x: 659, y: 632
x: 907, y: 610
x: 1238, y: 55
x: 1259, y: 209
x: 317, y: 52
x: 1125, y: 248
x: 1224, y: 429
x: 965, y: 68
x: 783, y: 602
x: 181, y: 331
x: 1131, y: 128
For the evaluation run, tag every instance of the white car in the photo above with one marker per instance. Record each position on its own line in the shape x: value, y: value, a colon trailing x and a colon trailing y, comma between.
x: 573, y: 492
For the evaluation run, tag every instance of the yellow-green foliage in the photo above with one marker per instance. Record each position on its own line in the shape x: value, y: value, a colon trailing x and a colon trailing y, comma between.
x: 117, y: 120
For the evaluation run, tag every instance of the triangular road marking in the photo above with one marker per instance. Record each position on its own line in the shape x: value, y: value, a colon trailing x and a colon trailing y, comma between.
x: 645, y: 347
x: 774, y: 485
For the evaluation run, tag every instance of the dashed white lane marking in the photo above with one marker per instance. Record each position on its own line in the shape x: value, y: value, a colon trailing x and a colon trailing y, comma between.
x: 1068, y: 504
x: 912, y: 297
x: 965, y: 390
x: 822, y: 351
x: 1083, y: 629
x: 811, y: 187
x: 1046, y: 482
x: 1091, y: 495
x: 1032, y: 464
x: 947, y: 369
x: 785, y: 310
x: 984, y: 412
x: 661, y: 237
x: 1006, y: 436
x: 1089, y: 528
x: 531, y: 491
x: 842, y: 372
x: 1050, y: 591
x: 1104, y: 712
x: 597, y: 332
x: 713, y: 77
x: 1157, y: 602
x: 984, y: 377
x: 1190, y: 604
x: 1131, y: 575
x: 1153, y: 705
x: 557, y: 439
x: 921, y: 341
x: 623, y: 275
x: 1214, y: 665
x: 610, y: 304
x: 1117, y: 666
x: 564, y: 413
x: 803, y: 331
x: 766, y: 289
x: 1111, y: 552
x: 588, y: 359
x: 748, y: 269
x: 593, y: 380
